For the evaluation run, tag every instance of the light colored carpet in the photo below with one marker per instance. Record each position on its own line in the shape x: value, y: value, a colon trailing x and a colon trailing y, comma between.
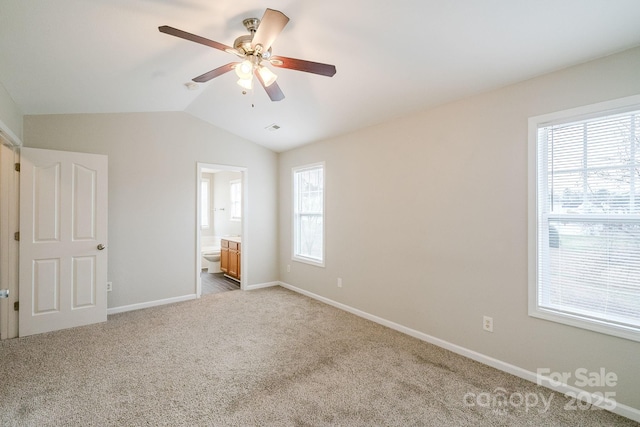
x: 265, y: 357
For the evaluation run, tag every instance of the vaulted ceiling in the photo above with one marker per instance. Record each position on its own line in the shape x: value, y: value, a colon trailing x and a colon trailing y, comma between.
x: 392, y: 58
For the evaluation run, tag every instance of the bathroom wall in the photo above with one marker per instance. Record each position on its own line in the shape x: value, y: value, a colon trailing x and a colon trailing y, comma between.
x: 152, y: 195
x: 222, y: 223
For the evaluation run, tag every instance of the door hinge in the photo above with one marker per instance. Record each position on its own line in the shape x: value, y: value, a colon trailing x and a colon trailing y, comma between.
x: 16, y: 306
x: 17, y: 167
x: 16, y: 236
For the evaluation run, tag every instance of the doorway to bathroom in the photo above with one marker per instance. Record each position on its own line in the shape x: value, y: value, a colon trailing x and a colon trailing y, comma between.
x: 221, y: 242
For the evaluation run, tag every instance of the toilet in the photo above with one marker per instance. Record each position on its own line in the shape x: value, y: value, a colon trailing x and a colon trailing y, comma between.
x: 213, y: 260
x: 210, y: 250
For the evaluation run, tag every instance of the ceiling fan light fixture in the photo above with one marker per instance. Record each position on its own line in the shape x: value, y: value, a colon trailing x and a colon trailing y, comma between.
x: 246, y: 83
x: 244, y: 70
x: 268, y: 77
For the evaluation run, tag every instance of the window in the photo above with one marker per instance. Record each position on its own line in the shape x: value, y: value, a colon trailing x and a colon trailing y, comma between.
x: 205, y: 205
x: 308, y: 214
x: 585, y: 218
x: 236, y: 199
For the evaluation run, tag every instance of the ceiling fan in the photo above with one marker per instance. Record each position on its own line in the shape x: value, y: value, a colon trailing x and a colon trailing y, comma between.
x: 254, y: 49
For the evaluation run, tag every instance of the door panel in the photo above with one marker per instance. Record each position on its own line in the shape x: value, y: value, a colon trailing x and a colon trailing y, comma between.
x: 63, y: 219
x: 84, y: 203
x: 84, y: 281
x: 46, y: 286
x: 233, y: 263
x: 224, y: 259
x: 46, y: 200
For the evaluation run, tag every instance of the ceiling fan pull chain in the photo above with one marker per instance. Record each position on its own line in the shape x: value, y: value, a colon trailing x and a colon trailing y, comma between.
x: 251, y: 94
x: 252, y: 98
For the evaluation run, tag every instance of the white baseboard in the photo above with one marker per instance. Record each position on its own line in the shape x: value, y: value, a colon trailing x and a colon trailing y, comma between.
x: 148, y: 304
x: 261, y: 285
x: 620, y: 409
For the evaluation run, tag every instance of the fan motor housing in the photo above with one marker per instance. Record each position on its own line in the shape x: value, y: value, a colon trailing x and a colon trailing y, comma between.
x: 243, y: 43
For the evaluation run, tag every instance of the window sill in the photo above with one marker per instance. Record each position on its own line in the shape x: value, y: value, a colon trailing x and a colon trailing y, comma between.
x: 309, y: 261
x: 583, y: 322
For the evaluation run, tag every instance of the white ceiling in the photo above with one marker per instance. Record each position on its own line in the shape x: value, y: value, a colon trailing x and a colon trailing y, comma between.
x: 392, y: 58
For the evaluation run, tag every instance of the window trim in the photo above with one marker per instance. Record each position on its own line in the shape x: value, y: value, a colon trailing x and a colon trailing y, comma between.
x: 231, y: 209
x: 206, y: 208
x: 294, y: 256
x: 617, y: 106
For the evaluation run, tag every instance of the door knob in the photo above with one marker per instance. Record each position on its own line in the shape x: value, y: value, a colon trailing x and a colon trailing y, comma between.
x: 4, y: 293
x: 101, y: 247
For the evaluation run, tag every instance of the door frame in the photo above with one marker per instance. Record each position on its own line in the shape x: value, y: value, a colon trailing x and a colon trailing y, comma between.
x: 9, y: 215
x: 244, y: 259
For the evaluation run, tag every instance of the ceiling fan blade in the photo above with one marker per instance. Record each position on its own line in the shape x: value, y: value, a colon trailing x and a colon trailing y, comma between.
x: 273, y: 90
x: 215, y: 73
x: 192, y: 37
x: 302, y: 65
x: 271, y: 24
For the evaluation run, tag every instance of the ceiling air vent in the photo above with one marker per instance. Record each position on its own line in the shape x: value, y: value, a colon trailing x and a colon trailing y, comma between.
x: 272, y: 127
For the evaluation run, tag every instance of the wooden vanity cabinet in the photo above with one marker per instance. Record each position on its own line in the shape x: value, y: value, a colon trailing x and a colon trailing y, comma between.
x: 230, y: 256
x: 224, y: 256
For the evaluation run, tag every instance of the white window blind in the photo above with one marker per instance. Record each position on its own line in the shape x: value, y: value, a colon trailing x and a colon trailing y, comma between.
x: 588, y: 222
x: 308, y: 214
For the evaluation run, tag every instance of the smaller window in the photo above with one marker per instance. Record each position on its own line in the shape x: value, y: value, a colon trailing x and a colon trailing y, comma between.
x: 205, y: 205
x: 308, y: 214
x: 236, y: 199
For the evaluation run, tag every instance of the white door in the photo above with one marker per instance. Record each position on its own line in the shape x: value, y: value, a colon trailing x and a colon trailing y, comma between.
x: 63, y: 239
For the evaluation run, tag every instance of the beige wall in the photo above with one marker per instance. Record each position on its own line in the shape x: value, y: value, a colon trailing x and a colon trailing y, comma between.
x: 426, y: 223
x: 152, y: 195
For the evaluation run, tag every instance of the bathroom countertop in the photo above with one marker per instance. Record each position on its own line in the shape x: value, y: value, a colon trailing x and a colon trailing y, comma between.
x: 237, y: 239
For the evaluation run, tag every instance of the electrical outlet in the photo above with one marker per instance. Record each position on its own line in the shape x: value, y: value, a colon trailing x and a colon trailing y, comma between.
x: 288, y: 268
x: 109, y: 286
x: 487, y: 323
x: 339, y: 282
